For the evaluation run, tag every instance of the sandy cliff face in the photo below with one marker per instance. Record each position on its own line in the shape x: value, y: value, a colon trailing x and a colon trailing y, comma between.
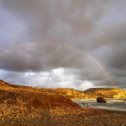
x: 70, y: 93
x: 90, y: 93
x: 66, y: 92
x: 106, y: 92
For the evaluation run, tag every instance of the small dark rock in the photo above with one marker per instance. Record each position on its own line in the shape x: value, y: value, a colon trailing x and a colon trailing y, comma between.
x: 101, y: 100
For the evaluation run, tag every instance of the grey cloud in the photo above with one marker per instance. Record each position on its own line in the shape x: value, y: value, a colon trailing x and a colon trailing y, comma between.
x: 113, y: 34
x: 118, y: 57
x: 118, y: 72
x: 62, y: 33
x: 47, y: 79
x: 40, y: 56
x: 37, y: 57
x: 79, y: 16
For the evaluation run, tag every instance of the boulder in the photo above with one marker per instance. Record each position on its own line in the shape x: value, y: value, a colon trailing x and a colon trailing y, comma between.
x: 101, y: 100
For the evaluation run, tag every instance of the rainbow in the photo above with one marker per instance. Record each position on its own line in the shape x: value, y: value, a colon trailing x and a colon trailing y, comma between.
x: 94, y: 60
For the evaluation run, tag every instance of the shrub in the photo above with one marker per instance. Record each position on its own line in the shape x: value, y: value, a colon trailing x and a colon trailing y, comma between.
x: 36, y: 103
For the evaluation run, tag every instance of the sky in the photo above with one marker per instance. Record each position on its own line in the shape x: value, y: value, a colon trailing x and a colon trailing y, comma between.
x: 76, y: 44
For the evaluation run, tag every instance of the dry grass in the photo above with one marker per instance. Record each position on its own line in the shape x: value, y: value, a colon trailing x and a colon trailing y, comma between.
x: 26, y: 106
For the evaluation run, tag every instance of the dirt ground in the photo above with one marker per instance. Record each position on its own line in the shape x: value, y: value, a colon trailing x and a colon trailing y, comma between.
x: 87, y: 117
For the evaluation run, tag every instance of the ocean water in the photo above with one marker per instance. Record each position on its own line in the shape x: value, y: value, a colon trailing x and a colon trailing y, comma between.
x: 112, y: 104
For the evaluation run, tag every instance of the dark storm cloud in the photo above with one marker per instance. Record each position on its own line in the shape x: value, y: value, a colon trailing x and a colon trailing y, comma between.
x: 49, y: 34
x: 37, y: 57
x: 118, y: 56
x: 57, y: 19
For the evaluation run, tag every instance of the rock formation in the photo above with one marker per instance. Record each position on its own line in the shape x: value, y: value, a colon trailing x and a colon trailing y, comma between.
x: 101, y: 100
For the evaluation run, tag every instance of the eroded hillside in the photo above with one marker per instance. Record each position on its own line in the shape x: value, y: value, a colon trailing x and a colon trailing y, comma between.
x: 26, y: 103
x: 106, y: 92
